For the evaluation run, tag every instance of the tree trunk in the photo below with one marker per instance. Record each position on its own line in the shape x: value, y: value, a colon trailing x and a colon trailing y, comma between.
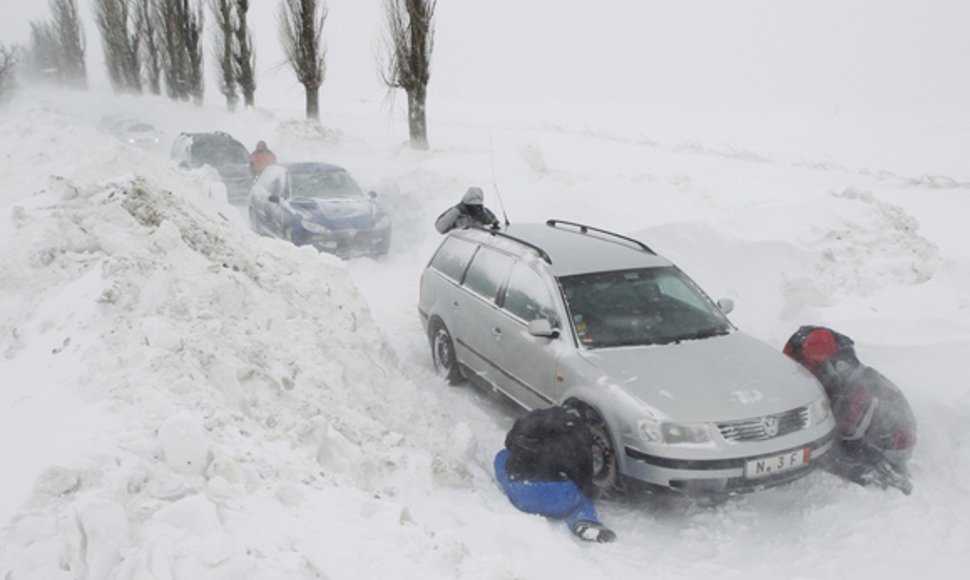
x: 312, y: 102
x: 417, y: 122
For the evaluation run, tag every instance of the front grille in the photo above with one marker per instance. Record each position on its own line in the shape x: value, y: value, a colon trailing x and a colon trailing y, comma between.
x: 760, y: 428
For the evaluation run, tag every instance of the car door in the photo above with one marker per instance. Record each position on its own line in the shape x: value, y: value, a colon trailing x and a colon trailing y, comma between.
x: 529, y: 362
x: 274, y: 182
x: 477, y: 340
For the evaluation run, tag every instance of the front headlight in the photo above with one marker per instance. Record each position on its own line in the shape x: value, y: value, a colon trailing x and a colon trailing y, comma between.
x: 314, y: 227
x: 674, y: 433
x: 819, y: 410
x: 383, y: 223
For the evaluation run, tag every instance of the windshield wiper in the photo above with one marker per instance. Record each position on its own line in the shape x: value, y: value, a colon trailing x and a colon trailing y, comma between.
x: 700, y: 334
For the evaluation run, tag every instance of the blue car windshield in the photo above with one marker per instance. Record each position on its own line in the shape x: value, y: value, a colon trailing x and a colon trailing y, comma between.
x: 640, y: 307
x: 332, y: 184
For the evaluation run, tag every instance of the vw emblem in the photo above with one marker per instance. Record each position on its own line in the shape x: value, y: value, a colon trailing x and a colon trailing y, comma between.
x: 769, y: 425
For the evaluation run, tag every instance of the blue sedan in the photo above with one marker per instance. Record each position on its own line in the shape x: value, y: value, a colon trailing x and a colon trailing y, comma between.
x: 321, y: 205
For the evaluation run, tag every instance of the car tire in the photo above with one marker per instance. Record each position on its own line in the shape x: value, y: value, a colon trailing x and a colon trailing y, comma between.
x: 443, y: 353
x: 606, y: 469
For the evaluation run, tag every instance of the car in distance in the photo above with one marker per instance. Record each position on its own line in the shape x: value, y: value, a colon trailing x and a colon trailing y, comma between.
x: 674, y: 395
x: 132, y: 131
x: 222, y: 152
x: 321, y: 205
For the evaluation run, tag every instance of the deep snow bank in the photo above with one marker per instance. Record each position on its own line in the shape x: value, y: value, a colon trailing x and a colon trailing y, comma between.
x: 225, y: 386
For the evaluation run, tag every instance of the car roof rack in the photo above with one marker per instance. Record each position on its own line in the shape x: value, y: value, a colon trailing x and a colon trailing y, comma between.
x: 583, y: 228
x: 542, y: 253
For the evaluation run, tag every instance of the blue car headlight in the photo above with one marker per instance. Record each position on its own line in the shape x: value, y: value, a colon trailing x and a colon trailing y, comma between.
x: 313, y: 227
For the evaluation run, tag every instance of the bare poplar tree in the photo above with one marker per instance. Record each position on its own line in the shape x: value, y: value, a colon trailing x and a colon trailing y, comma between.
x: 409, y: 42
x: 192, y: 31
x: 301, y: 32
x: 151, y: 57
x: 43, y: 51
x: 120, y: 40
x: 244, y: 58
x: 56, y: 47
x: 71, y: 41
x: 8, y: 64
x: 224, y: 49
x: 181, y: 33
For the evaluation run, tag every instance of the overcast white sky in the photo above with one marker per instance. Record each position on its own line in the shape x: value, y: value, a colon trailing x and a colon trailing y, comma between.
x: 827, y: 54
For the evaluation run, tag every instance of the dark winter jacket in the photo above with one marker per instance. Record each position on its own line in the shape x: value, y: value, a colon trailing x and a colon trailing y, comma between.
x: 868, y: 407
x: 468, y: 212
x: 551, y: 445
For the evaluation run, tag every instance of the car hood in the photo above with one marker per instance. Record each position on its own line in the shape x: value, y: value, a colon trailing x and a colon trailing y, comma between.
x: 338, y: 213
x: 722, y: 378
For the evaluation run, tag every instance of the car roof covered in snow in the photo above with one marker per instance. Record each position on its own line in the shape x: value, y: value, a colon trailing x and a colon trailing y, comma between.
x: 571, y: 248
x: 311, y: 167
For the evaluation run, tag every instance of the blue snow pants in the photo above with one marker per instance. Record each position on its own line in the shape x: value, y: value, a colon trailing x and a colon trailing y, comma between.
x: 554, y: 499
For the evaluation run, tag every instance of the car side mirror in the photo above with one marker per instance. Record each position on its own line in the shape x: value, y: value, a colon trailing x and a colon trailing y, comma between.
x: 726, y: 305
x: 372, y: 194
x: 273, y: 198
x: 542, y: 327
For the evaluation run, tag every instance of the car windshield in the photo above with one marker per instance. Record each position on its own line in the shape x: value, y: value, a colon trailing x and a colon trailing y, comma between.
x: 324, y: 184
x: 140, y: 128
x: 216, y: 152
x: 640, y: 307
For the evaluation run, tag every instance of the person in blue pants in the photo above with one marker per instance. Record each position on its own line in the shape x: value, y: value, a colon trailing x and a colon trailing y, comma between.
x: 546, y: 469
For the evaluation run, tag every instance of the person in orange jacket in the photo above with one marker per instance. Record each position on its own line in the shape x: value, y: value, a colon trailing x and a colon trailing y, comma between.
x: 261, y: 158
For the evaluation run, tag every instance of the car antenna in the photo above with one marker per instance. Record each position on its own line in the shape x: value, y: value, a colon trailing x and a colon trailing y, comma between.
x: 491, y: 151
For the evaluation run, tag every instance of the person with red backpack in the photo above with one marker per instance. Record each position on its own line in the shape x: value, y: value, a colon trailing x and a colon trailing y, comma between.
x: 546, y: 468
x: 874, y: 419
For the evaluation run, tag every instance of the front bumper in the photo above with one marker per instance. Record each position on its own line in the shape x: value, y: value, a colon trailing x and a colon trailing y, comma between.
x: 350, y: 244
x: 719, y: 475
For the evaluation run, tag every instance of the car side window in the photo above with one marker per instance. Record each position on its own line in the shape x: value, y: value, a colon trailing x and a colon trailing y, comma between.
x: 452, y: 258
x: 527, y: 295
x: 487, y: 272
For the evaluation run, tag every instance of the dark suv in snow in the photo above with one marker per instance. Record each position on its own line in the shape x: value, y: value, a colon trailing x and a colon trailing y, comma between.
x: 221, y: 152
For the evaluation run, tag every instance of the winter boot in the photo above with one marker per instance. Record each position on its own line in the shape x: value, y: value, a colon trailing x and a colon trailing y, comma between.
x: 593, y: 532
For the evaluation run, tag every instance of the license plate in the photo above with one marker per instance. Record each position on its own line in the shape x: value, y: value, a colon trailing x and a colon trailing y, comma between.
x: 766, y: 466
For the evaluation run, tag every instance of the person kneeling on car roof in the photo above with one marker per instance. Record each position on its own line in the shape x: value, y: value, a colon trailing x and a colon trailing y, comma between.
x: 546, y: 468
x: 469, y: 211
x: 876, y: 423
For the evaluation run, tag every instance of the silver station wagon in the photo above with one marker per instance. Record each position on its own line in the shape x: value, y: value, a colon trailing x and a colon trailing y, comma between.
x: 674, y: 395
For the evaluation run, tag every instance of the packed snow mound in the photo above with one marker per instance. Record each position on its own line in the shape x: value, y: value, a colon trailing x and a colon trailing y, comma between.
x: 245, y: 371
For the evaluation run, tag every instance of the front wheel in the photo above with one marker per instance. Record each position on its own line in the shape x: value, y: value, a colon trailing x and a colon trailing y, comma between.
x: 443, y: 353
x: 606, y: 470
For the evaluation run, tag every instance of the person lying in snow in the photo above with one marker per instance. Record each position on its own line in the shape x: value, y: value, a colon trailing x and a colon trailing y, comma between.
x: 546, y: 468
x: 468, y: 212
x: 876, y: 423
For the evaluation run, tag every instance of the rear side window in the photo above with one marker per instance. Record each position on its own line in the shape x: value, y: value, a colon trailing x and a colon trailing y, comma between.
x: 452, y: 258
x: 527, y: 295
x: 487, y: 273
